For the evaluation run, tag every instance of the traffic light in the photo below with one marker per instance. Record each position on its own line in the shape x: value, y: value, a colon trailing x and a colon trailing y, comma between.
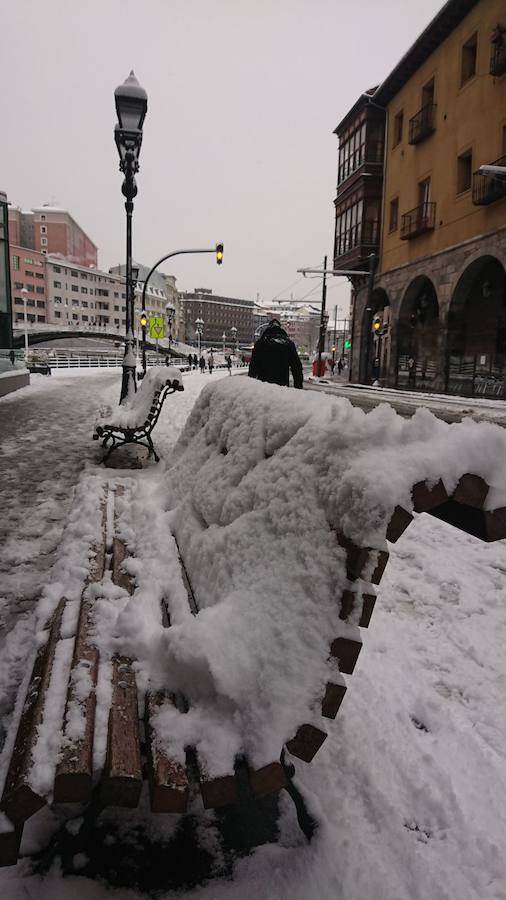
x: 347, y: 345
x: 377, y: 322
x: 143, y: 321
x: 219, y: 254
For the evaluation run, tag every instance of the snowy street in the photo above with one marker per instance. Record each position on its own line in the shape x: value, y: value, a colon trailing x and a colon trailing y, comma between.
x: 408, y: 789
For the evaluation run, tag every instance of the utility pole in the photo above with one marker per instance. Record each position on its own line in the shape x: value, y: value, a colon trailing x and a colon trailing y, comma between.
x: 321, y: 343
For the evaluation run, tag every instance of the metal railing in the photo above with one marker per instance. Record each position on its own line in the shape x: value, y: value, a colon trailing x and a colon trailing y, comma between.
x: 422, y: 124
x: 418, y: 220
x: 486, y: 188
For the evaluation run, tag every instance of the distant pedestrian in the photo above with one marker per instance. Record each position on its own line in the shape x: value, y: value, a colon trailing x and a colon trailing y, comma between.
x: 210, y: 362
x: 195, y: 361
x: 332, y: 364
x: 229, y: 364
x: 339, y: 366
x: 12, y: 357
x: 202, y: 364
x: 190, y: 360
x: 274, y: 356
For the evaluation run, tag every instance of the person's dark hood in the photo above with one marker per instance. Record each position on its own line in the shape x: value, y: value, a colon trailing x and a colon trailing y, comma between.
x: 274, y: 332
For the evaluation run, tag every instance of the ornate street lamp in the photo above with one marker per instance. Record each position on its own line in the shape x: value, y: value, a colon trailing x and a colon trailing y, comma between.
x: 224, y: 338
x: 24, y: 292
x: 199, y: 328
x: 233, y: 332
x: 131, y: 107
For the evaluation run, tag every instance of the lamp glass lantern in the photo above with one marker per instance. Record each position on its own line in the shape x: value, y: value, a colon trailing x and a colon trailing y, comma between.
x: 131, y: 104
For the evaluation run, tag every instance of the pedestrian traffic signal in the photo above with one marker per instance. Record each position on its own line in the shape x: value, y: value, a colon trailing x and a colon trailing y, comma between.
x: 219, y: 254
x: 347, y: 345
x: 143, y: 321
x: 377, y: 322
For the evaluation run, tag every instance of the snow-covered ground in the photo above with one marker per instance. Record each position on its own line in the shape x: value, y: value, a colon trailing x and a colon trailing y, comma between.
x: 409, y: 788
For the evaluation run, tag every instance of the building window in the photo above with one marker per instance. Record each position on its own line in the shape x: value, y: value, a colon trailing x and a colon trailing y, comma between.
x: 41, y: 318
x: 43, y: 229
x: 29, y: 274
x: 43, y: 218
x: 56, y: 269
x: 74, y: 274
x: 398, y: 126
x: 85, y: 304
x: 39, y: 275
x: 75, y: 317
x: 75, y: 287
x: 57, y: 314
x: 468, y: 61
x: 57, y: 301
x: 75, y: 302
x: 464, y: 171
x: 30, y: 302
x: 394, y: 215
x: 39, y: 290
x: 84, y: 276
x: 28, y: 261
x: 44, y: 252
x: 30, y: 287
x: 40, y: 304
x: 57, y: 284
x: 18, y: 285
x: 85, y: 318
x: 84, y: 290
x: 15, y: 263
x: 43, y: 242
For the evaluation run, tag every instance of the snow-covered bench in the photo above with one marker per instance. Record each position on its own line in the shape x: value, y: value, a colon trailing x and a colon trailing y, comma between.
x: 133, y: 422
x: 226, y: 603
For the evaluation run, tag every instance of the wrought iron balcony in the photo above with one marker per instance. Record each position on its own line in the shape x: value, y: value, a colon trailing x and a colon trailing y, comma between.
x: 487, y: 188
x: 423, y: 124
x: 498, y: 59
x: 418, y: 220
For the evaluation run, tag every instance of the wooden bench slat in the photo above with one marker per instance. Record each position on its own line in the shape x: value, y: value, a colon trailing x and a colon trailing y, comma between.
x: 268, y: 779
x: 9, y: 845
x: 333, y: 697
x: 74, y: 772
x: 426, y: 498
x: 307, y: 742
x: 119, y: 576
x: 350, y: 600
x: 168, y: 781
x: 397, y: 525
x: 346, y: 650
x: 471, y: 490
x: 122, y: 777
x: 19, y: 801
x: 215, y: 792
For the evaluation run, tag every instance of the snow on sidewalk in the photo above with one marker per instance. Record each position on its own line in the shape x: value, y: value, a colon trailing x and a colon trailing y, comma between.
x: 409, y: 787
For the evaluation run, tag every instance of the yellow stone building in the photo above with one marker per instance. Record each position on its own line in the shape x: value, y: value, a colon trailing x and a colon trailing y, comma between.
x: 438, y: 296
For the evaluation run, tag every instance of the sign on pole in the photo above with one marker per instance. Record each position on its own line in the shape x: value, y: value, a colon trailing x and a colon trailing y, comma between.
x: 156, y: 327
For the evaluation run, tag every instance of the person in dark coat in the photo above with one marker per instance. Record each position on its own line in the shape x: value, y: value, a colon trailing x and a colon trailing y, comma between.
x: 202, y: 364
x: 190, y: 360
x: 274, y: 356
x: 195, y: 361
x: 228, y: 360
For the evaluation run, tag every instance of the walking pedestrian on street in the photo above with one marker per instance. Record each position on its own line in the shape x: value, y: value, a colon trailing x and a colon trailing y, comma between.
x: 210, y: 362
x: 195, y: 361
x: 190, y: 361
x: 202, y: 364
x: 229, y: 364
x: 274, y: 356
x: 339, y: 366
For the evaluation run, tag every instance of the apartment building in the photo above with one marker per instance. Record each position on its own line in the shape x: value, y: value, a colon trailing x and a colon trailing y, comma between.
x: 438, y: 292
x: 81, y: 296
x: 219, y: 314
x: 53, y: 232
x: 28, y: 281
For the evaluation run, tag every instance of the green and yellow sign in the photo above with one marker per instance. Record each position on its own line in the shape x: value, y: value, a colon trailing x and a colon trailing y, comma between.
x: 156, y: 327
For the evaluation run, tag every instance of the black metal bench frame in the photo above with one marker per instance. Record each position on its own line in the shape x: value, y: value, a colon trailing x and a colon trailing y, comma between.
x: 138, y: 434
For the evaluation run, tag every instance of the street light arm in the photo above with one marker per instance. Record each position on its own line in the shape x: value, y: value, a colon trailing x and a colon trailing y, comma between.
x: 344, y: 272
x: 160, y: 261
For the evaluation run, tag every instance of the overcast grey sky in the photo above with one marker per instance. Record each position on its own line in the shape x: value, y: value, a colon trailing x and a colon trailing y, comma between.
x: 243, y: 96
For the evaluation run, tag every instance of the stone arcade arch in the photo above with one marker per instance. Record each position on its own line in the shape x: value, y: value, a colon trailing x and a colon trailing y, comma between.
x: 419, y: 357
x: 476, y: 344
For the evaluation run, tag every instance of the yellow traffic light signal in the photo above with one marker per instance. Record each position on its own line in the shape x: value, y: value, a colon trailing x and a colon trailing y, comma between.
x: 219, y: 254
x: 143, y: 321
x: 376, y: 324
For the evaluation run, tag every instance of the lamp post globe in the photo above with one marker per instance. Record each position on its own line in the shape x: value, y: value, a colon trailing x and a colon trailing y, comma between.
x: 233, y: 332
x: 131, y: 108
x: 224, y: 338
